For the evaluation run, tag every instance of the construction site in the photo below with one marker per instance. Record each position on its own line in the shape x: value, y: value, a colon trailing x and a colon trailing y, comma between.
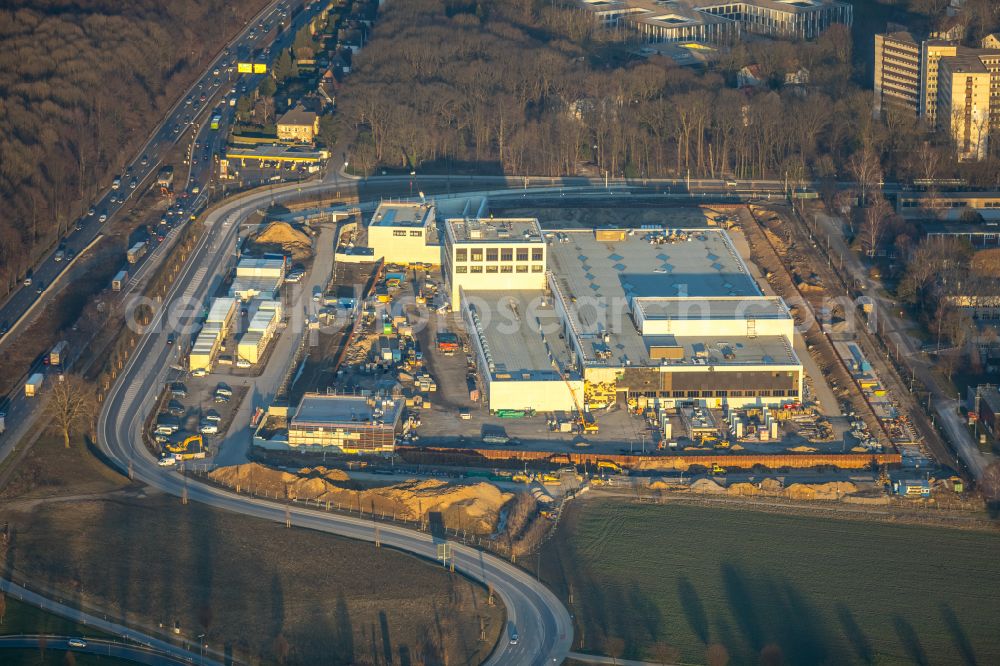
x: 649, y: 347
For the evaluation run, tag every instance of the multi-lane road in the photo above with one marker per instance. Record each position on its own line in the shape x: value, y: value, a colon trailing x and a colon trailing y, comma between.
x: 186, y: 120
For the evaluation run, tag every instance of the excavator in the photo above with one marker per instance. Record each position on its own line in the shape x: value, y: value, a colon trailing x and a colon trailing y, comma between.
x: 184, y: 449
x: 608, y: 465
x: 717, y: 469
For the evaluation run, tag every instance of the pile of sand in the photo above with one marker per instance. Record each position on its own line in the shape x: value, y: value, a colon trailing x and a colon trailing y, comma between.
x: 283, y: 237
x: 472, y: 507
x: 706, y: 486
x: 772, y: 486
x: 803, y: 449
x: 743, y: 488
x: 820, y: 491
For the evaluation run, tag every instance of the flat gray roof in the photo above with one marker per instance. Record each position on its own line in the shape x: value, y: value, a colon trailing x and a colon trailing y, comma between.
x: 494, y: 230
x: 322, y: 409
x: 510, y: 322
x: 767, y: 307
x: 401, y: 214
x: 688, y: 262
x: 597, y: 281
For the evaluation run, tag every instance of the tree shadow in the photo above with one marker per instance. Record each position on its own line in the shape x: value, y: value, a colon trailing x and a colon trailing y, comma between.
x: 859, y: 641
x: 383, y: 623
x: 344, y: 631
x: 741, y: 604
x: 958, y: 635
x: 910, y: 640
x: 694, y: 610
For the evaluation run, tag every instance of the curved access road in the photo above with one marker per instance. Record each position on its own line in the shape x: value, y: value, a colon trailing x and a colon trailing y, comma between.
x: 541, y: 621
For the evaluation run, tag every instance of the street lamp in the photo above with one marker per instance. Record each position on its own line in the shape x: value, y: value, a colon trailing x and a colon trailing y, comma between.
x: 201, y: 649
x: 413, y: 174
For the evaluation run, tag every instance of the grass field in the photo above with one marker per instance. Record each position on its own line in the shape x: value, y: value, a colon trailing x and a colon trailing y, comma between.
x: 649, y: 581
x: 258, y: 590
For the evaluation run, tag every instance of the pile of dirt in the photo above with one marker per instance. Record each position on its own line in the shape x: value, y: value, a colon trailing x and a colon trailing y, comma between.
x: 803, y: 449
x: 820, y: 491
x: 472, y: 507
x: 658, y: 484
x: 771, y: 486
x: 743, y: 488
x: 706, y: 486
x: 283, y: 238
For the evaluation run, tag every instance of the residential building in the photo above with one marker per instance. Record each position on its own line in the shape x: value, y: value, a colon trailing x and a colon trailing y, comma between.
x: 897, y: 73
x: 298, y: 125
x: 931, y: 52
x: 963, y: 104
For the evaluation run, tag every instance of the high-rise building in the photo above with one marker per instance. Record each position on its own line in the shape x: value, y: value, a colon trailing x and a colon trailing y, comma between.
x: 897, y: 72
x: 963, y: 103
x: 931, y: 52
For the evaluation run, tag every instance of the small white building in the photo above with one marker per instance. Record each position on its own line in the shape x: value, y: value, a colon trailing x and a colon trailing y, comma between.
x: 405, y: 233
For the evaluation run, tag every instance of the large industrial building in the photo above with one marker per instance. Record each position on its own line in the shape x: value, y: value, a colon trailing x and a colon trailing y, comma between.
x: 720, y: 21
x: 653, y: 316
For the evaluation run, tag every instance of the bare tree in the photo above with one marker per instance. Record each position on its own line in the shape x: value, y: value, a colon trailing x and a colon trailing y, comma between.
x: 615, y: 647
x: 71, y: 402
x: 876, y: 216
x: 866, y: 169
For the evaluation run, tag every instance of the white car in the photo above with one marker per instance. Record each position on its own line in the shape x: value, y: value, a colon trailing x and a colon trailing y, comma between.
x: 243, y: 363
x: 199, y: 372
x: 77, y: 643
x: 103, y: 217
x: 167, y: 461
x: 209, y: 428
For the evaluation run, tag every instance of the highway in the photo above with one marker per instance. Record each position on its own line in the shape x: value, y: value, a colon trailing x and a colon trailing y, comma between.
x: 542, y: 622
x: 136, y: 646
x: 189, y: 112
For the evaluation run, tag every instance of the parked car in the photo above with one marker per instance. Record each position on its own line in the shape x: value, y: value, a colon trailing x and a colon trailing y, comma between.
x: 178, y: 390
x: 199, y: 372
x: 167, y: 460
x: 209, y: 429
x: 213, y: 416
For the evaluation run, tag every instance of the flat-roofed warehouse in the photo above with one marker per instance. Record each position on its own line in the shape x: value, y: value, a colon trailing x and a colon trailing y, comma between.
x: 524, y: 362
x: 671, y: 315
x: 348, y: 424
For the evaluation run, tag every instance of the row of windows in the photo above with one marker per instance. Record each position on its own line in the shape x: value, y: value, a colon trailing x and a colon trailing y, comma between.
x: 744, y: 393
x: 498, y: 254
x: 522, y: 268
x: 402, y: 232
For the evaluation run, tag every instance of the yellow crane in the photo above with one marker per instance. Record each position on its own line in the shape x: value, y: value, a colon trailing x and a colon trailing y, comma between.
x: 586, y: 421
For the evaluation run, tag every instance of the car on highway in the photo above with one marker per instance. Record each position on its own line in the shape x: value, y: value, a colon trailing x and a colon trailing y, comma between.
x: 60, y: 255
x: 167, y: 461
x: 78, y: 226
x: 103, y: 217
x: 91, y: 212
x: 41, y: 287
x: 132, y: 183
x: 144, y: 161
x: 4, y: 327
x: 77, y: 643
x: 170, y: 339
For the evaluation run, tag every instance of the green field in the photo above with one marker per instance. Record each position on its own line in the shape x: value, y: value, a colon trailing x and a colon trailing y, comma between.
x: 649, y: 580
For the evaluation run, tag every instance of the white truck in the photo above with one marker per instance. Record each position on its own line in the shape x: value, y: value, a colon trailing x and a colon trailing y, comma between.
x: 33, y: 385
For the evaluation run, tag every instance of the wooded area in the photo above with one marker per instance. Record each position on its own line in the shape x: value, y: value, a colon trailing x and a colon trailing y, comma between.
x: 82, y: 82
x: 530, y: 87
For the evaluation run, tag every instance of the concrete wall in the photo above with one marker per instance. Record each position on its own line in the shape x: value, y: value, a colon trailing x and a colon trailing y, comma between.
x: 542, y: 396
x: 410, y: 247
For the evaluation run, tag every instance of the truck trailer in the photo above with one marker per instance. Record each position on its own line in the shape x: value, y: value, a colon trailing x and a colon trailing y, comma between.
x: 58, y: 354
x: 119, y: 280
x: 33, y: 385
x: 136, y: 252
